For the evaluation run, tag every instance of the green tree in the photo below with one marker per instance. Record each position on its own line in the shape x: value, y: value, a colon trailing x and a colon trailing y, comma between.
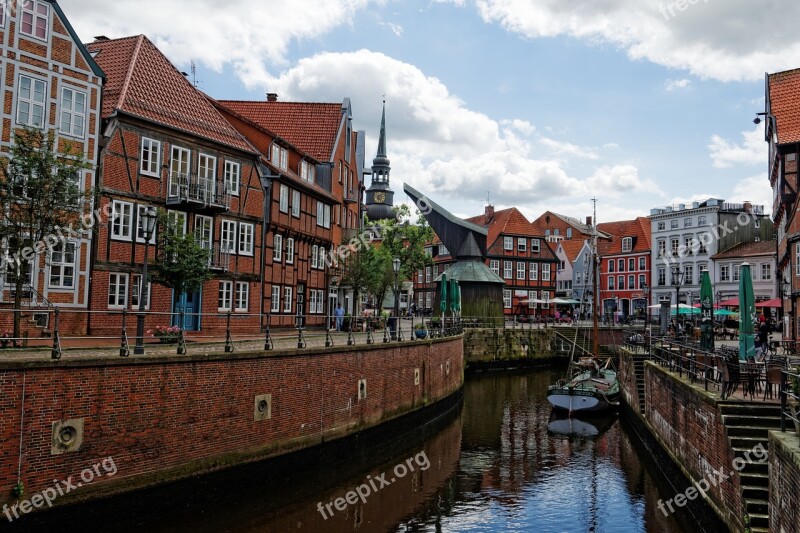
x: 180, y: 263
x: 41, y: 196
x: 364, y: 271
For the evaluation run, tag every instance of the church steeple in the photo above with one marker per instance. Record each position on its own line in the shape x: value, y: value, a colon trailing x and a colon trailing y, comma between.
x: 380, y: 198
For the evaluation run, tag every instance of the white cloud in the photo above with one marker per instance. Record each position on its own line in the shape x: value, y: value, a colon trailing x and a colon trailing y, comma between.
x: 753, y: 151
x: 569, y: 149
x: 673, y: 85
x: 755, y: 189
x: 727, y: 40
x: 394, y: 28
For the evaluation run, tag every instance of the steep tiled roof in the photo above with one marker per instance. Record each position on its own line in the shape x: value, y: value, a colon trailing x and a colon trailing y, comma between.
x: 310, y: 126
x: 572, y: 248
x: 638, y: 229
x: 748, y: 249
x: 142, y: 82
x: 784, y: 97
x: 506, y: 221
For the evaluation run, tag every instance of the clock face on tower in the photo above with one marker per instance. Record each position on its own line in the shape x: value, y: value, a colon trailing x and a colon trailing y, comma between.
x: 379, y: 197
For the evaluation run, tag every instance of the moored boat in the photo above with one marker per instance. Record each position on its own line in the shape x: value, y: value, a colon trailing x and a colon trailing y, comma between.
x: 590, y: 389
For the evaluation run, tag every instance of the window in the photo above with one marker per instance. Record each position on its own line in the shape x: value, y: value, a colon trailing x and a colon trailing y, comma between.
x: 535, y: 246
x: 73, y: 112
x: 225, y: 295
x: 508, y: 270
x: 642, y: 280
x: 443, y: 250
x: 508, y: 243
x: 203, y: 231
x: 420, y: 275
x: 675, y: 242
x: 521, y: 270
x: 315, y: 256
x: 545, y: 272
x: 62, y: 266
x: 621, y: 265
x: 242, y: 296
x: 35, y: 18
x: 277, y: 248
x: 521, y: 244
x: 631, y: 264
x: 233, y: 177
x: 435, y: 271
x: 121, y: 220
x: 428, y: 300
x: 673, y: 224
x: 507, y: 298
x: 246, y: 231
x: 312, y: 301
x: 611, y: 265
x: 179, y: 168
x: 306, y: 171
x: 140, y: 211
x: 662, y: 226
x: 284, y: 198
x: 296, y: 204
x: 627, y: 244
x: 642, y: 263
x: 687, y: 222
x: 611, y: 283
x: 687, y: 246
x: 150, y: 157
x: 534, y: 271
x: 797, y: 259
x: 177, y: 220
x: 662, y: 276
x: 531, y: 298
x: 701, y: 247
x: 3, y: 9
x: 701, y: 220
x: 621, y: 282
x: 546, y: 298
x: 227, y: 239
x: 662, y: 248
x: 275, y: 303
x: 578, y: 278
x: 117, y: 290
x: 206, y: 174
x: 136, y: 279
x: 688, y: 274
x: 280, y: 157
x: 724, y: 273
x: 569, y: 233
x: 736, y: 271
x: 766, y: 272
x: 631, y: 282
x: 494, y: 266
x: 323, y: 215
x: 322, y: 258
x: 30, y: 101
x: 427, y: 274
x: 287, y: 299
x: 290, y: 251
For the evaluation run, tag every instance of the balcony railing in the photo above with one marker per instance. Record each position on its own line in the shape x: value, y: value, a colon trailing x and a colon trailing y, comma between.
x: 193, y: 190
x: 220, y: 257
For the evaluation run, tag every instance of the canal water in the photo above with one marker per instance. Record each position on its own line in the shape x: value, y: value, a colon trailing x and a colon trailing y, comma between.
x: 497, y: 461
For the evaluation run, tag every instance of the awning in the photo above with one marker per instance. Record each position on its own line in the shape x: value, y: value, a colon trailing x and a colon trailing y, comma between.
x: 564, y: 301
x: 775, y: 302
x: 733, y: 302
x: 534, y: 301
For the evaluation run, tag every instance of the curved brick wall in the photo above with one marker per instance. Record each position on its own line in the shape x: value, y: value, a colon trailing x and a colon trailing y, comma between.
x: 162, y: 418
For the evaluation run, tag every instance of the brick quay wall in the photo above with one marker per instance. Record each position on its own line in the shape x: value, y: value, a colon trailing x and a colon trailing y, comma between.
x: 163, y: 418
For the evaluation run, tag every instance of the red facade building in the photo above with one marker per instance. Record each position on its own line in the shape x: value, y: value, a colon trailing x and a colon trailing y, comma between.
x: 625, y: 267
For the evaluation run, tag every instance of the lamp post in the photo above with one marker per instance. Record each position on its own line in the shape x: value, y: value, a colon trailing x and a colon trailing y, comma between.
x: 677, y: 281
x: 396, y: 269
x: 148, y: 227
x: 646, y: 291
x: 785, y: 290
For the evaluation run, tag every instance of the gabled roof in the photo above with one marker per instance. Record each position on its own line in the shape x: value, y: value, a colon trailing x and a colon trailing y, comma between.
x: 580, y: 226
x: 505, y: 222
x: 81, y: 47
x: 143, y: 83
x: 572, y: 248
x: 747, y: 249
x: 310, y: 126
x: 638, y: 229
x: 783, y: 90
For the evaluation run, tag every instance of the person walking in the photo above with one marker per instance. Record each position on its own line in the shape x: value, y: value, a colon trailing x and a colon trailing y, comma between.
x: 339, y: 314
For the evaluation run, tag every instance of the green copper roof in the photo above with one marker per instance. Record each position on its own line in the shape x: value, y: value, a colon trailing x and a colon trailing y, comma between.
x: 471, y: 272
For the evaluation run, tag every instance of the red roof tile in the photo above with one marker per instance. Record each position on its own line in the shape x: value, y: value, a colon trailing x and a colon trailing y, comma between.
x: 748, y: 249
x: 310, y: 126
x: 142, y: 82
x: 506, y: 222
x: 638, y: 229
x: 784, y: 100
x: 572, y: 248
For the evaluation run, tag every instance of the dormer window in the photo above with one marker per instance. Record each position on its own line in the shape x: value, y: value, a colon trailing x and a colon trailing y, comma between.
x: 627, y: 244
x: 280, y: 157
x: 508, y: 243
x: 521, y: 244
x: 306, y: 171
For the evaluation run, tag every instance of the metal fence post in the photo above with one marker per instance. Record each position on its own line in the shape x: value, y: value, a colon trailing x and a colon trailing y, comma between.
x: 181, y: 339
x: 56, y: 352
x: 267, y: 336
x: 124, y: 348
x: 228, y: 339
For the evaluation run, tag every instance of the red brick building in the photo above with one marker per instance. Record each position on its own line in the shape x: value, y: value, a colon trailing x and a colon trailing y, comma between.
x: 625, y: 267
x: 50, y: 81
x: 782, y: 132
x: 165, y: 145
x: 315, y: 194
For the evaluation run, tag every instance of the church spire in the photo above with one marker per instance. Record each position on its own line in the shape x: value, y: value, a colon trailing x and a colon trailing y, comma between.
x: 380, y: 197
x: 381, y: 161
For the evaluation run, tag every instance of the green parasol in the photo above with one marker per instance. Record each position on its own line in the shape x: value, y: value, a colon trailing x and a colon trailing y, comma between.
x: 747, y: 312
x: 443, y: 294
x: 453, y: 293
x: 707, y: 309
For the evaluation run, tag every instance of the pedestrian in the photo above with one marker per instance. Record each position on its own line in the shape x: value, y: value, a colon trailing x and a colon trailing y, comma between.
x: 339, y: 314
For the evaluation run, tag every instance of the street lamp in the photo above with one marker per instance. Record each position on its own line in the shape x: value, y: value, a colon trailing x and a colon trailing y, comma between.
x: 646, y: 291
x: 678, y: 276
x: 148, y: 227
x: 396, y: 269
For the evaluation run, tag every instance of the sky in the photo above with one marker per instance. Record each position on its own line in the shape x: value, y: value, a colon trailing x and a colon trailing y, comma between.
x: 535, y: 104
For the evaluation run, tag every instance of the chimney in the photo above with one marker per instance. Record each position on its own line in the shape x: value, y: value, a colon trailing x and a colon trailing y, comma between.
x: 589, y: 221
x: 489, y: 212
x: 748, y: 207
x: 272, y: 97
x: 98, y: 38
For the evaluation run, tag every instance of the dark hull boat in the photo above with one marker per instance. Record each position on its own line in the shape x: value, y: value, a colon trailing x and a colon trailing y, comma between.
x: 590, y: 389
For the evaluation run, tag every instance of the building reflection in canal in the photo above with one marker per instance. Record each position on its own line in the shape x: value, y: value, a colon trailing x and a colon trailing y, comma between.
x: 495, y: 465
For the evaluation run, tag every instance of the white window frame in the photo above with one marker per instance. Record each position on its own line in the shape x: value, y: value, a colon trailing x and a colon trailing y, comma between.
x: 508, y: 270
x: 506, y: 298
x: 797, y: 262
x: 39, y: 14
x: 296, y: 203
x: 535, y: 246
x: 531, y: 296
x: 275, y: 304
x: 283, y: 200
x: 522, y: 244
x: 522, y: 270
x: 508, y: 243
x: 233, y: 177
x: 246, y: 235
x: 3, y: 11
x: 227, y: 236
x: 279, y: 157
x: 306, y: 171
x: 120, y: 294
x: 150, y: 157
x: 766, y: 272
x: 315, y: 256
x: 30, y: 102
x: 242, y: 297
x: 642, y: 263
x: 322, y: 257
x: 135, y: 280
x: 428, y: 274
x: 58, y: 264
x: 545, y: 271
x: 180, y: 167
x: 178, y: 220
x: 77, y: 119
x: 225, y: 296
x: 207, y: 173
x: 737, y: 272
x: 204, y: 231
x: 287, y: 299
x: 533, y: 272
x: 290, y: 251
x: 494, y: 266
x: 277, y: 248
x: 121, y: 221
x: 323, y: 215
x: 627, y: 244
